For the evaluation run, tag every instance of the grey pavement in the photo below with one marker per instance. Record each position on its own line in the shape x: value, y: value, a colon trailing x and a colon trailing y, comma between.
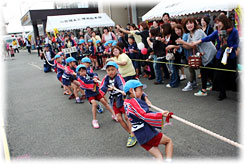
x: 41, y: 123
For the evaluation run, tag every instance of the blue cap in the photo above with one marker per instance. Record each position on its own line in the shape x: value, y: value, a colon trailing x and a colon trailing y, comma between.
x: 110, y: 41
x: 90, y: 40
x: 114, y: 43
x: 70, y: 59
x: 86, y: 60
x: 132, y: 84
x: 112, y: 63
x: 81, y: 41
x: 97, y: 41
x: 106, y: 44
x: 60, y: 53
x: 57, y: 56
x: 80, y: 66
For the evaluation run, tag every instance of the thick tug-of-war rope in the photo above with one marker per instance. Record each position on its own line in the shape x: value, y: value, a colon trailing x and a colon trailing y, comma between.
x: 171, y: 115
x: 201, y: 128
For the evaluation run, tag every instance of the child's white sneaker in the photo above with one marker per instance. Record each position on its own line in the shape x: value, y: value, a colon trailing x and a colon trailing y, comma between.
x: 95, y: 124
x: 114, y: 118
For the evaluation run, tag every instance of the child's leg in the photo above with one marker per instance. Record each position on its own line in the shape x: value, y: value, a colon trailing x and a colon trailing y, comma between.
x: 69, y: 89
x: 94, y: 106
x: 108, y: 107
x: 104, y: 61
x: 96, y: 62
x: 129, y: 124
x: 93, y: 62
x: 182, y: 70
x: 122, y: 122
x: 168, y: 146
x: 155, y: 151
x: 74, y: 86
x: 81, y: 91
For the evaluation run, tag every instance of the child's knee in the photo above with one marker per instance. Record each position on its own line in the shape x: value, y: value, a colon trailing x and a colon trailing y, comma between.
x: 119, y: 118
x: 94, y: 103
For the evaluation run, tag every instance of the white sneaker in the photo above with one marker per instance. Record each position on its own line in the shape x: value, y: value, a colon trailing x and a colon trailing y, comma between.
x: 188, y: 87
x: 168, y: 86
x: 95, y: 124
x: 182, y: 77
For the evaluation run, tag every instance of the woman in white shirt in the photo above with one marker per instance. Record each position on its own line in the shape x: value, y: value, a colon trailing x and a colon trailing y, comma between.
x: 107, y: 36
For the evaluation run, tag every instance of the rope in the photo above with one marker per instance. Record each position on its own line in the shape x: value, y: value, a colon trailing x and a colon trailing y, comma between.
x: 186, y: 65
x: 47, y: 60
x: 201, y: 129
x: 171, y: 115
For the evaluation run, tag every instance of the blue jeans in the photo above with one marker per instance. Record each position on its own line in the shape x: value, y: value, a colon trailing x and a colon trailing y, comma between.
x: 174, y: 79
x: 159, y: 71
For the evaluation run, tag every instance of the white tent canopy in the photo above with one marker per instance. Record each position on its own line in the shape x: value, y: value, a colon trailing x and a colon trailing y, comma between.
x: 180, y: 7
x: 78, y: 21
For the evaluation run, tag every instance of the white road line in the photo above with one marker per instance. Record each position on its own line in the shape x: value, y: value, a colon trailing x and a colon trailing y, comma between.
x: 34, y: 65
x: 4, y: 141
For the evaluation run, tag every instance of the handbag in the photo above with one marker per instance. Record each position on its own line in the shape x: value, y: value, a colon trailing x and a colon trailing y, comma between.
x: 170, y: 56
x: 195, y: 60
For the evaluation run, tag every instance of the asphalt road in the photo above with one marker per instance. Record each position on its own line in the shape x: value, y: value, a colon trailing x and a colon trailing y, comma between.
x: 41, y: 123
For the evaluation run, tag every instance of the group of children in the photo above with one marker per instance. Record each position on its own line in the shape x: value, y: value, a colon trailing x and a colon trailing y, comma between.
x: 97, y: 52
x: 129, y: 107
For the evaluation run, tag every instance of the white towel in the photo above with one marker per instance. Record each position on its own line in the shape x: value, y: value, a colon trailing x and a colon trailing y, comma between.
x: 225, y: 56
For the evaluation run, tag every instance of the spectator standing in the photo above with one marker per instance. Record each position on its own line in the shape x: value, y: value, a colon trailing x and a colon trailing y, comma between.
x: 28, y: 45
x: 107, y: 36
x: 207, y: 50
x: 227, y: 37
x: 15, y: 46
x: 39, y: 45
x: 88, y: 35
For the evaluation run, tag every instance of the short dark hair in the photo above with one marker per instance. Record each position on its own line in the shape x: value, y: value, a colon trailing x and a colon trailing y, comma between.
x: 134, y: 26
x: 131, y: 37
x: 206, y: 19
x: 120, y: 45
x: 174, y: 20
x: 106, y: 28
x: 167, y: 29
x: 165, y: 14
x: 154, y: 32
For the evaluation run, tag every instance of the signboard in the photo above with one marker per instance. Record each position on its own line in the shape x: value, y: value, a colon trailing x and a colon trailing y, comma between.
x: 26, y: 19
x: 69, y: 50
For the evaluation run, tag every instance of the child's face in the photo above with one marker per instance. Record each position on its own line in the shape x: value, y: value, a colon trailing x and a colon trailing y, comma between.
x: 87, y: 64
x: 72, y: 64
x: 130, y: 41
x: 111, y: 71
x: 110, y: 45
x: 59, y: 60
x: 89, y: 43
x: 138, y: 92
x: 82, y: 72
